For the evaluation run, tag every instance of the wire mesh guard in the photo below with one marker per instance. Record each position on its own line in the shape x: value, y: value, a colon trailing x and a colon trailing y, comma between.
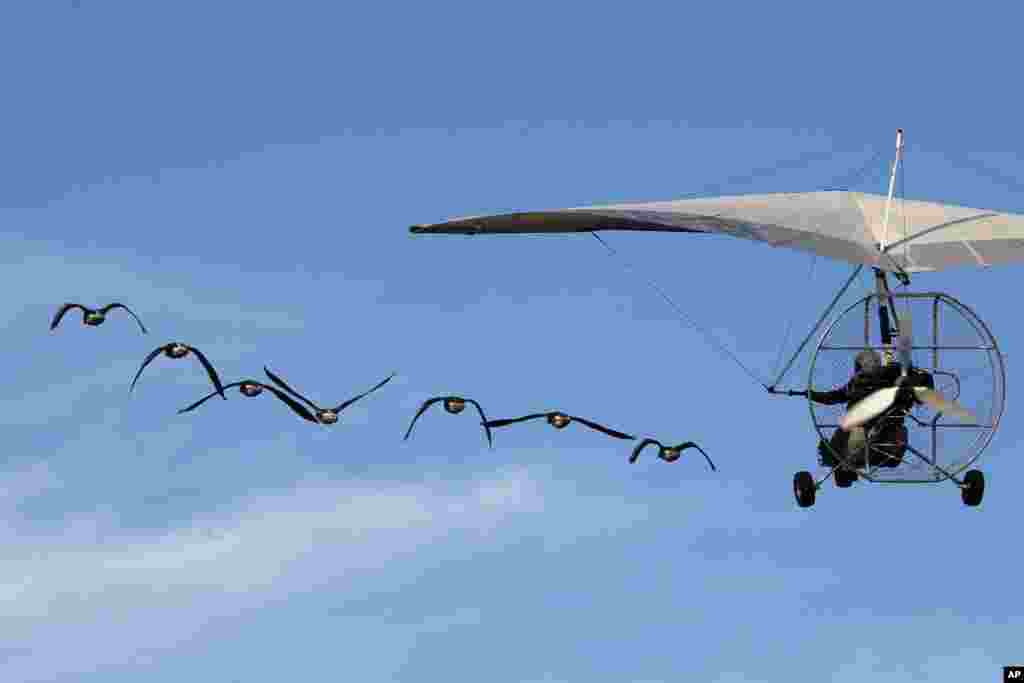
x: 951, y: 343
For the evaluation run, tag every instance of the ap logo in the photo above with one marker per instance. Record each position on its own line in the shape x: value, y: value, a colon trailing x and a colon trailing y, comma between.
x: 1013, y: 673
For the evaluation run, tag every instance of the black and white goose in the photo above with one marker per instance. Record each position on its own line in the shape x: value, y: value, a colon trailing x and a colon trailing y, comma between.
x: 179, y: 350
x: 93, y: 316
x: 669, y: 453
x: 559, y: 420
x: 250, y: 388
x: 454, y: 405
x: 327, y: 416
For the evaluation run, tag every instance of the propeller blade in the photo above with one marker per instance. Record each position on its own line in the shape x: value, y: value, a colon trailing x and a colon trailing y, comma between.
x: 905, y: 340
x: 941, y: 404
x: 868, y: 408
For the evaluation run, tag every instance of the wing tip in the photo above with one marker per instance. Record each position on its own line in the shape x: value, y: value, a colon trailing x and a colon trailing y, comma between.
x: 444, y: 229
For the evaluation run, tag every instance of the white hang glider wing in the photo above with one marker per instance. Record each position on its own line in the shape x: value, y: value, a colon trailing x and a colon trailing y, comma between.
x: 837, y: 224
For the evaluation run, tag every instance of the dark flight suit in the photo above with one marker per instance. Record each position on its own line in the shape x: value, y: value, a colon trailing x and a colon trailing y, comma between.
x: 889, y: 438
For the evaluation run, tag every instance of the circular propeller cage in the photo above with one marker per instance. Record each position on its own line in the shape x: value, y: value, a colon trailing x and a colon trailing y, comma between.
x: 950, y: 342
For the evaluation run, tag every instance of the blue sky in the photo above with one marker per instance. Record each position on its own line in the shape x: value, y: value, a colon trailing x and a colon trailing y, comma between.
x: 244, y: 175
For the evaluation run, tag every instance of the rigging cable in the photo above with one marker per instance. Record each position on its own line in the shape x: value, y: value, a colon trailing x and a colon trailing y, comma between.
x: 682, y: 315
x: 996, y: 175
x: 802, y: 160
x: 792, y: 318
x: 851, y: 177
x: 843, y: 182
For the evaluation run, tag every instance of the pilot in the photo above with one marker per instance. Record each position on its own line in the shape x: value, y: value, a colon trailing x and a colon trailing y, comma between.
x: 888, y: 431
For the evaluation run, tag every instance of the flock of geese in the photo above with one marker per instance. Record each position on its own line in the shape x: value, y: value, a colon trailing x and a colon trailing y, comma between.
x: 312, y: 412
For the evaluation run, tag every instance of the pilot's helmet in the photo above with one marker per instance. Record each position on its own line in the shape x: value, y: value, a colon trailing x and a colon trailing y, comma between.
x: 867, y: 361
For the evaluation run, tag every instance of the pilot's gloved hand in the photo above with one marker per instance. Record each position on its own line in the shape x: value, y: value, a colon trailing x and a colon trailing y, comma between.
x: 789, y: 392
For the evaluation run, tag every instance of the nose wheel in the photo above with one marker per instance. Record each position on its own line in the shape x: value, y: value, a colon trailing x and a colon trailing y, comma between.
x: 845, y: 478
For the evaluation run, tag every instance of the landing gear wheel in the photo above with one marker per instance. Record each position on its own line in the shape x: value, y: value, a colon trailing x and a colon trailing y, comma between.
x: 973, y: 488
x: 803, y: 489
x: 845, y: 478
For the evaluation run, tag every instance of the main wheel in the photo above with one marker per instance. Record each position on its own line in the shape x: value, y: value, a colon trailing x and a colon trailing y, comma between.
x: 803, y: 489
x: 845, y: 478
x: 974, y: 487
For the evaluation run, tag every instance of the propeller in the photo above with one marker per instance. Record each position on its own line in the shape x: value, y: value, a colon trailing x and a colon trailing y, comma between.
x: 941, y: 404
x: 868, y: 408
x: 877, y: 403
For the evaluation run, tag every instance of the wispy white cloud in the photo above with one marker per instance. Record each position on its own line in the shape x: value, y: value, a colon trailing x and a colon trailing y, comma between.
x: 95, y: 572
x: 887, y: 664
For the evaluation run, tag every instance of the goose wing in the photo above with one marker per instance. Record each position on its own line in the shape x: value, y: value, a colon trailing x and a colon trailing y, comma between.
x: 512, y: 420
x: 602, y: 428
x: 281, y: 383
x: 642, y: 445
x: 108, y: 307
x: 690, y: 444
x: 209, y: 371
x: 483, y: 422
x: 210, y: 395
x: 423, y: 408
x: 61, y: 311
x: 352, y: 400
